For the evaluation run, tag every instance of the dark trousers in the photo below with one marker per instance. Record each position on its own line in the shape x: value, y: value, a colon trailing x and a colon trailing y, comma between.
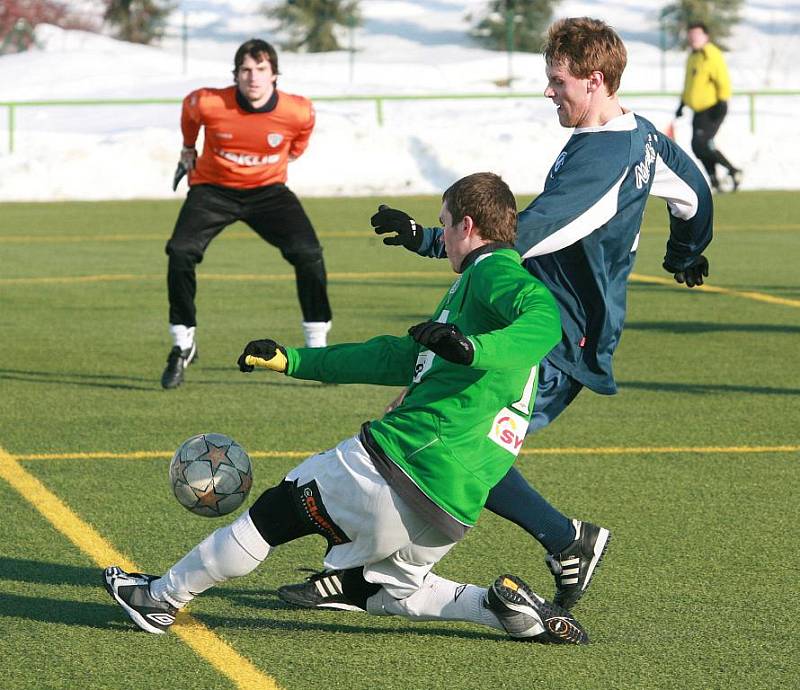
x: 275, y: 213
x: 705, y: 125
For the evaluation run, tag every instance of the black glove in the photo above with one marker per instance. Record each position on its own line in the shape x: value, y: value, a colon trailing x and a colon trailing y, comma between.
x: 719, y: 110
x: 409, y: 234
x: 180, y: 171
x: 186, y: 162
x: 679, y: 111
x: 691, y: 275
x: 263, y: 353
x: 445, y: 339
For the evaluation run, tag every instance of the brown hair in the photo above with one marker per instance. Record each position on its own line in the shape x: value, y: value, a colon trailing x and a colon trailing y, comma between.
x: 585, y: 45
x: 258, y: 50
x: 486, y: 199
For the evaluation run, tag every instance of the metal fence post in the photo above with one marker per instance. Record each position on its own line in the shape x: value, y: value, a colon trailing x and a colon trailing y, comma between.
x: 379, y: 111
x: 752, y: 99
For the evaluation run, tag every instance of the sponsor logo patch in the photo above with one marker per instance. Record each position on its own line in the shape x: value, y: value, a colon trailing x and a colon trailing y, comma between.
x: 508, y: 430
x: 274, y: 139
x: 310, y: 500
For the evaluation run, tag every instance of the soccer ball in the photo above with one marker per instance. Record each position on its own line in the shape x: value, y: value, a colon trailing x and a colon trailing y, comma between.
x: 210, y: 474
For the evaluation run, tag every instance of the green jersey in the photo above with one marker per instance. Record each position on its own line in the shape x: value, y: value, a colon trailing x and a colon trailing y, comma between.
x: 459, y: 428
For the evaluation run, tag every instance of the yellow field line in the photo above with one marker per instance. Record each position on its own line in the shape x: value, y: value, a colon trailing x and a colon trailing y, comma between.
x: 230, y: 277
x: 377, y: 275
x: 602, y: 450
x: 757, y: 296
x: 241, y: 235
x: 134, y: 237
x: 203, y: 641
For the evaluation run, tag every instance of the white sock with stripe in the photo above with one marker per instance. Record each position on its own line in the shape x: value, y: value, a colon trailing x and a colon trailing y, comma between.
x: 437, y: 599
x: 230, y: 551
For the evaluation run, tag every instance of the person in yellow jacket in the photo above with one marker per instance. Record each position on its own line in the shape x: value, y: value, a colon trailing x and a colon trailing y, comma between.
x: 706, y: 90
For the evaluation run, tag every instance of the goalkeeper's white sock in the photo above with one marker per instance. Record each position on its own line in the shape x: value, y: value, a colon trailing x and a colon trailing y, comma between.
x: 316, y: 333
x: 182, y: 336
x: 437, y: 599
x: 230, y: 551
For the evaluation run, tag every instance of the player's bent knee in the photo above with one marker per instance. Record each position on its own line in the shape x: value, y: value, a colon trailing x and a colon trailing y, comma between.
x: 305, y: 258
x: 276, y: 517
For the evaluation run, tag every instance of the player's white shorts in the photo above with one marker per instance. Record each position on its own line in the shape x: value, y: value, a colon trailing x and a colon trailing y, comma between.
x: 395, y: 545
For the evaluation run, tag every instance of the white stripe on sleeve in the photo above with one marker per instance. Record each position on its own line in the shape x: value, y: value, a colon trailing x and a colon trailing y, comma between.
x: 585, y: 224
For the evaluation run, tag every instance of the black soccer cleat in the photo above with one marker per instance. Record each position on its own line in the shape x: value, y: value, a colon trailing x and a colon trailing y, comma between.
x: 321, y: 590
x: 132, y: 592
x: 177, y: 361
x: 574, y: 567
x: 527, y: 616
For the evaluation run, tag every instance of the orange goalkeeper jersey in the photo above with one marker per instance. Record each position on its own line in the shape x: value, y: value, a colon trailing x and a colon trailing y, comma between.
x: 244, y: 149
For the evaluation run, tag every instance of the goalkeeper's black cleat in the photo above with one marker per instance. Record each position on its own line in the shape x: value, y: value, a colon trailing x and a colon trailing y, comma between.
x: 132, y: 592
x: 575, y: 566
x: 527, y: 616
x: 177, y: 361
x: 321, y: 590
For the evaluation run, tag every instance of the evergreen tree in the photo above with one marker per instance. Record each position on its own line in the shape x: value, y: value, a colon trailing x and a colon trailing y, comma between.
x: 311, y: 24
x: 530, y: 20
x: 138, y: 21
x: 720, y: 16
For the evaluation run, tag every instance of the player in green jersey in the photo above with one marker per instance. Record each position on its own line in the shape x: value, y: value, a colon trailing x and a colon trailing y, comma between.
x: 395, y: 498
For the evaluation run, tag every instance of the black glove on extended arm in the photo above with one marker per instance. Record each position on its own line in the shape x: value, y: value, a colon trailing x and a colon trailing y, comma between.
x: 691, y: 275
x: 446, y: 340
x: 409, y: 234
x: 679, y: 111
x: 266, y: 354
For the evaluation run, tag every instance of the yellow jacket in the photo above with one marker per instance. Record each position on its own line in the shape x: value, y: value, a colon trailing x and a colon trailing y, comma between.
x: 707, y: 81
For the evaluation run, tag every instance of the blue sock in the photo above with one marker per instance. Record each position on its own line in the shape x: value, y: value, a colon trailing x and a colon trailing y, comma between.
x: 516, y: 500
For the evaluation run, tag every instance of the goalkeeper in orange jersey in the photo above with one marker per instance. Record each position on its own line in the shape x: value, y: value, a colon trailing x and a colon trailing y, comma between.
x: 252, y: 131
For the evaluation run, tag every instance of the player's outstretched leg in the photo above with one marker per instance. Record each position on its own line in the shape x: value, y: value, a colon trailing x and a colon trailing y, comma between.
x: 132, y: 592
x: 575, y: 566
x: 527, y: 616
x: 322, y: 590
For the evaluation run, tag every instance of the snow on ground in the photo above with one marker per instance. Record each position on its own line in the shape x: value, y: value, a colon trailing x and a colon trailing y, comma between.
x: 403, y: 47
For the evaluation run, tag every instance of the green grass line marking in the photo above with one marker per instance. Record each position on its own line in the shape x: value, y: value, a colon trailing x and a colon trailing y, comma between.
x: 241, y: 235
x: 222, y: 657
x: 603, y: 450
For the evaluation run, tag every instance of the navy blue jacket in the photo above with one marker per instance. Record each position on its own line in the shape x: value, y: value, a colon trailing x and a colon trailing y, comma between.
x: 579, y: 236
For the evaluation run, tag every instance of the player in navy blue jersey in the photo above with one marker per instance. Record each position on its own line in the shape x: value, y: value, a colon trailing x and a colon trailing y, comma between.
x: 579, y: 237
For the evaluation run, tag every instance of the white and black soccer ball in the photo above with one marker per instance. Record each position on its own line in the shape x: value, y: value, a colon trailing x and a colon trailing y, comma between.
x: 210, y: 474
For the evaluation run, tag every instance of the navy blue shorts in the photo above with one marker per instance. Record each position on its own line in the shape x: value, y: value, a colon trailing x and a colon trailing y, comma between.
x: 555, y: 391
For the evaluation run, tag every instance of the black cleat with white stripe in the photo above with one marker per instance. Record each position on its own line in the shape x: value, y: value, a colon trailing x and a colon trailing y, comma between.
x: 527, y: 616
x: 321, y: 590
x: 132, y: 592
x: 575, y: 566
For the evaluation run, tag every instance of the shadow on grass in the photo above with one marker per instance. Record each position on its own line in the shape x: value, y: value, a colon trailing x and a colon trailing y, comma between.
x: 117, y: 382
x: 705, y: 388
x: 699, y: 327
x: 26, y: 570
